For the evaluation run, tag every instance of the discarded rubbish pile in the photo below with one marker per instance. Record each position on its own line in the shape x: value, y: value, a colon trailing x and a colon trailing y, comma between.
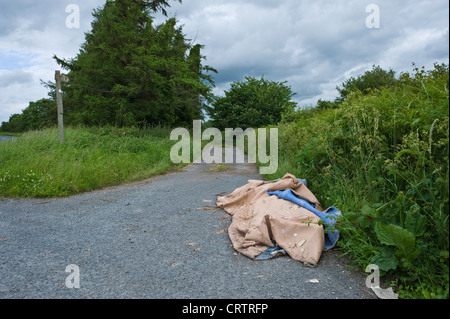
x: 280, y: 217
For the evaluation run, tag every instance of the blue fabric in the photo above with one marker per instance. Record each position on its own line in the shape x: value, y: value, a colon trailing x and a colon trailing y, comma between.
x: 329, y: 217
x: 270, y: 253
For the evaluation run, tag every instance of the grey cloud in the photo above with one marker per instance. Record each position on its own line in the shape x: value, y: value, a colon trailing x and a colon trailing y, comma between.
x: 33, y: 15
x: 15, y: 77
x: 314, y: 45
x: 439, y: 48
x: 40, y: 15
x: 308, y: 43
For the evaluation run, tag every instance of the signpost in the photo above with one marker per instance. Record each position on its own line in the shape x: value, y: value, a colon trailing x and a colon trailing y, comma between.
x: 59, y: 102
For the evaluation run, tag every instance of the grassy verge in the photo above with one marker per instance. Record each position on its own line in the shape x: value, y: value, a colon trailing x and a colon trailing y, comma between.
x: 383, y: 160
x: 37, y: 165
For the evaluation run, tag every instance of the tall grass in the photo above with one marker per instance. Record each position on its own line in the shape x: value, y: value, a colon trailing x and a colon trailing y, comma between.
x: 382, y: 159
x: 37, y: 165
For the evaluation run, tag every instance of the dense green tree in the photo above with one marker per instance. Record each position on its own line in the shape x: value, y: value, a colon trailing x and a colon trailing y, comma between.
x: 322, y: 104
x: 130, y: 72
x: 36, y: 115
x: 252, y: 103
x: 370, y: 80
x: 365, y: 83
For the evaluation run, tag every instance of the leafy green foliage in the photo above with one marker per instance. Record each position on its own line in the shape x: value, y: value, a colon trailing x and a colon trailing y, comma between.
x: 382, y: 158
x: 370, y: 81
x: 37, y: 165
x: 37, y: 115
x: 157, y: 5
x: 252, y: 103
x: 365, y: 83
x: 129, y: 72
x: 394, y: 235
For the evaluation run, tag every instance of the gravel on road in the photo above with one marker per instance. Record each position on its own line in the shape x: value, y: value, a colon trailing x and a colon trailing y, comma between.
x: 6, y: 138
x: 159, y: 239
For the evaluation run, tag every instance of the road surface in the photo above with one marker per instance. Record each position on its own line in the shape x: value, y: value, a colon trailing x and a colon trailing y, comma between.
x: 153, y: 239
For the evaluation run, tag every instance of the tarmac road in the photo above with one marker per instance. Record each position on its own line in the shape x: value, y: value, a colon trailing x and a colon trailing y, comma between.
x: 152, y: 239
x: 6, y: 138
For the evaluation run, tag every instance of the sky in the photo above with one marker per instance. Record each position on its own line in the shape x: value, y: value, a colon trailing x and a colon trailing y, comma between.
x: 313, y: 45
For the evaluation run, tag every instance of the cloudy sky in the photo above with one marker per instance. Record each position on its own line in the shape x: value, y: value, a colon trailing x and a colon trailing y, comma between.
x: 314, y: 45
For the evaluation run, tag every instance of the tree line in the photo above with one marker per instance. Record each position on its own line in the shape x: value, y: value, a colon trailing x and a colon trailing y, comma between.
x: 128, y: 72
x: 131, y: 72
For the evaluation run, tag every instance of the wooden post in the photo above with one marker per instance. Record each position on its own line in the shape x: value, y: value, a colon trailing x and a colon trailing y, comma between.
x: 59, y: 103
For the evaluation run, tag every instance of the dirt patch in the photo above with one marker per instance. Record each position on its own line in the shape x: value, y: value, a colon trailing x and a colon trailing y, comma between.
x: 219, y: 167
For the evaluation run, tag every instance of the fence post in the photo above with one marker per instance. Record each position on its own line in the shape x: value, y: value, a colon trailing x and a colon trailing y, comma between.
x: 59, y: 103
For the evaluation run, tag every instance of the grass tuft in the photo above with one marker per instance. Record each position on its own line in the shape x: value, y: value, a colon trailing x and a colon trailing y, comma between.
x: 383, y: 160
x: 37, y: 165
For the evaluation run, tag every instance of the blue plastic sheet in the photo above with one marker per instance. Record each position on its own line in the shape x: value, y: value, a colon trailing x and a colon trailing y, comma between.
x: 329, y: 217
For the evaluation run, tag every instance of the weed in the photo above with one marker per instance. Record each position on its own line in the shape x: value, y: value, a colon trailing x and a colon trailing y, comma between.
x: 382, y: 159
x: 37, y: 165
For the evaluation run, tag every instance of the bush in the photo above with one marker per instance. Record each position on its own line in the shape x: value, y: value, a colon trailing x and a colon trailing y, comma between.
x: 37, y: 165
x: 252, y: 103
x: 37, y: 115
x: 374, y: 79
x: 382, y: 158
